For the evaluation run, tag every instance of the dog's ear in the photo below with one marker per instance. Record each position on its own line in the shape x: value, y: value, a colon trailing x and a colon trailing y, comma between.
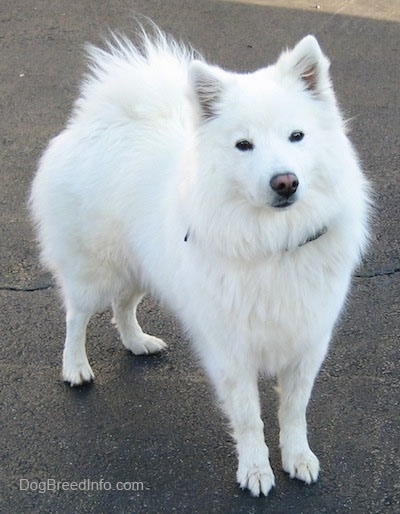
x: 207, y: 83
x: 307, y: 63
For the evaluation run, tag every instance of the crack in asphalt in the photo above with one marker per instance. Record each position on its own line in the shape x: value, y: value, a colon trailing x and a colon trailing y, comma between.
x: 378, y: 273
x: 367, y: 274
x: 26, y: 289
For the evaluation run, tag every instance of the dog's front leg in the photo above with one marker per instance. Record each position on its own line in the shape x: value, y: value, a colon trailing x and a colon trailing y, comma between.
x: 237, y: 389
x: 295, y: 383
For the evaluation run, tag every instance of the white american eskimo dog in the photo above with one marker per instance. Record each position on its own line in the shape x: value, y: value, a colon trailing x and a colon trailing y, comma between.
x: 237, y: 199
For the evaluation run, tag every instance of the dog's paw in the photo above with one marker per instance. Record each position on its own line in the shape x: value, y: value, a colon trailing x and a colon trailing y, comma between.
x: 258, y: 479
x: 303, y: 465
x: 145, y: 345
x: 77, y: 373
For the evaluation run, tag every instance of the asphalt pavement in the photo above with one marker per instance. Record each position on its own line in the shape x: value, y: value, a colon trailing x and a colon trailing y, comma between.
x: 147, y: 436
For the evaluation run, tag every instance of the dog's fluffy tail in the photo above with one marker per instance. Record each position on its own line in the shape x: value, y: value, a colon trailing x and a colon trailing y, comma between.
x: 142, y: 81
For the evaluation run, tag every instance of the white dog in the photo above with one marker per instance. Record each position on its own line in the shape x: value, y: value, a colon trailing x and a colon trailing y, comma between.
x: 237, y: 199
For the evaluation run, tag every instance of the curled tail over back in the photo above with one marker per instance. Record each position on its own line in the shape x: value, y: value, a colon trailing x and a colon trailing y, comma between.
x: 146, y: 80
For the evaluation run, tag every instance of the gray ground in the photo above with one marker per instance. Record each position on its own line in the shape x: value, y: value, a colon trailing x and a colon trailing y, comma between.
x: 153, y: 420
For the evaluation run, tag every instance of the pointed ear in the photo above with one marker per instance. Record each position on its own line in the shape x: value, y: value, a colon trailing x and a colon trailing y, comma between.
x: 207, y: 83
x: 307, y: 63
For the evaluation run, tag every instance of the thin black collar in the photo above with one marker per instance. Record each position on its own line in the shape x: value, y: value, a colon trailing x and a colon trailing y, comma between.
x: 315, y: 236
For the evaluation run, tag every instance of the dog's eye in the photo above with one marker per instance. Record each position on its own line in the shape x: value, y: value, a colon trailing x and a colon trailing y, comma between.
x: 296, y: 136
x: 244, y: 146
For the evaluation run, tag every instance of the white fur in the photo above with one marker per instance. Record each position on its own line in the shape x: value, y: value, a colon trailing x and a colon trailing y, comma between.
x: 149, y: 157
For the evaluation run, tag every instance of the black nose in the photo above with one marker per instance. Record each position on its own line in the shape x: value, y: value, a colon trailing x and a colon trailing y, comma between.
x: 285, y: 184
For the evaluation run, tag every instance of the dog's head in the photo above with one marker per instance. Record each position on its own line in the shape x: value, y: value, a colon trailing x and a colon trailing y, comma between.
x: 272, y: 135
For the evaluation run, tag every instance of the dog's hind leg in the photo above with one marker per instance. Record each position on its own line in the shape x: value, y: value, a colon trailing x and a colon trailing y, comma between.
x: 133, y: 337
x: 76, y: 367
x: 295, y: 384
x: 82, y: 299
